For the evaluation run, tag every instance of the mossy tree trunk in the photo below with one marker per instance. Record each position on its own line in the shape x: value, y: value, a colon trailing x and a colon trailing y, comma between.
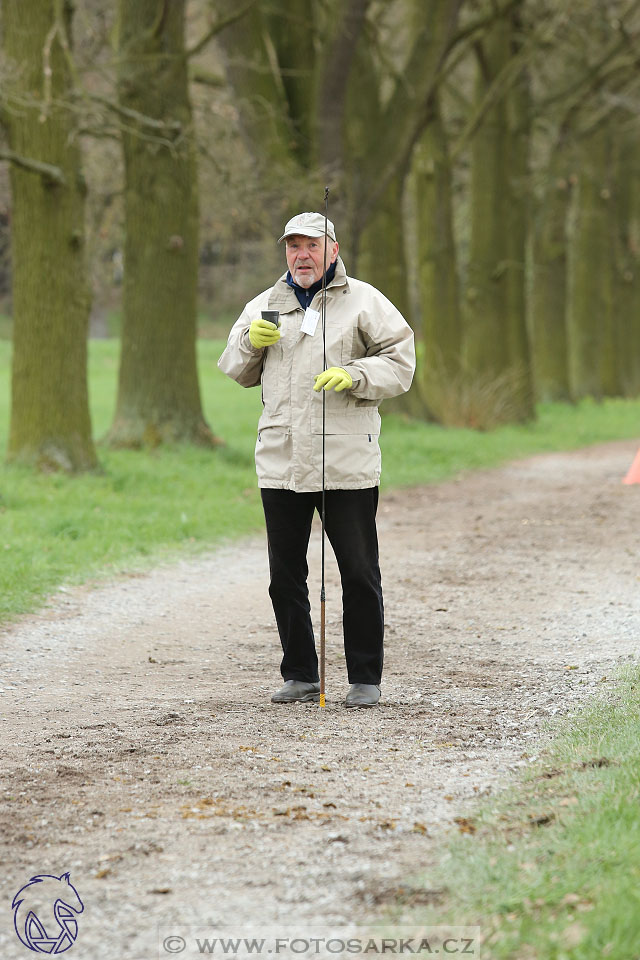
x: 589, y: 265
x: 158, y: 391
x: 437, y: 266
x: 519, y: 213
x: 547, y: 302
x: 376, y: 250
x: 381, y: 259
x: 273, y: 133
x: 627, y: 292
x: 611, y: 321
x: 485, y: 341
x: 495, y: 341
x: 50, y: 423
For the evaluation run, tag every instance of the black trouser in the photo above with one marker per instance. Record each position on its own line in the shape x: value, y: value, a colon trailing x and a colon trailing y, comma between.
x: 350, y: 522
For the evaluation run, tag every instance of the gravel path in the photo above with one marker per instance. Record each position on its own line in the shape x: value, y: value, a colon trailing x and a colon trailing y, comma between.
x: 140, y: 750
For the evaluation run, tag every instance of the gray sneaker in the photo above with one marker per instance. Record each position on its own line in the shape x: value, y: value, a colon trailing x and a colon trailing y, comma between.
x: 362, y: 695
x: 297, y: 691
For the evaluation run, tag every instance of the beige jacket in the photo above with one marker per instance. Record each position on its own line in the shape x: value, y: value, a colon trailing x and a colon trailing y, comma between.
x: 368, y: 337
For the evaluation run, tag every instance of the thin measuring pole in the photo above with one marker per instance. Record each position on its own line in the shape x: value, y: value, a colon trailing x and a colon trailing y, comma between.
x: 324, y: 398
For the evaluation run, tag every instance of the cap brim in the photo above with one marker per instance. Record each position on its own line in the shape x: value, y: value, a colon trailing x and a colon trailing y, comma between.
x: 306, y: 232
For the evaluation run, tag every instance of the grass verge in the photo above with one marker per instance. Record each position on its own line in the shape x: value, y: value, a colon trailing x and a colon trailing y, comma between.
x: 148, y: 506
x: 551, y: 869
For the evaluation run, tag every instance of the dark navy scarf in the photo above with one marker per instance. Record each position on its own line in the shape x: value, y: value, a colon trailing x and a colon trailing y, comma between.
x: 305, y: 295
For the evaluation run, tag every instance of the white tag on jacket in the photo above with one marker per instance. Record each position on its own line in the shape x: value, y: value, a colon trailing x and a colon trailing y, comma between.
x: 310, y: 321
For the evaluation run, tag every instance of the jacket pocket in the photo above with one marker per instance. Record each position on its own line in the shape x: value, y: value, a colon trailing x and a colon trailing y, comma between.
x: 349, y: 421
x: 352, y: 460
x: 274, y: 454
x: 270, y: 383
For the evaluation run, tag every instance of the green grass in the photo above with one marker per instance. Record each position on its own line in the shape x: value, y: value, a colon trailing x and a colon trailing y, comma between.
x: 210, y: 327
x: 146, y: 506
x: 553, y: 868
x: 415, y: 453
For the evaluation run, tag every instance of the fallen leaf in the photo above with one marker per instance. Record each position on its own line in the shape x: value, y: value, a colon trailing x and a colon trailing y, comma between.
x: 465, y: 825
x: 541, y: 820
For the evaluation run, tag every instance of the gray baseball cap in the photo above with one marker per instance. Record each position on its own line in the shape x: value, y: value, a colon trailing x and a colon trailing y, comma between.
x: 308, y: 225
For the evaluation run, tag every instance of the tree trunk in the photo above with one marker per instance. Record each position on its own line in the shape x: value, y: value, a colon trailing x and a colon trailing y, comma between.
x: 485, y: 341
x: 439, y: 370
x: 158, y: 391
x: 260, y: 93
x: 288, y: 28
x: 495, y: 348
x: 517, y: 189
x: 381, y: 254
x: 627, y: 288
x: 50, y: 423
x: 589, y: 270
x: 547, y: 300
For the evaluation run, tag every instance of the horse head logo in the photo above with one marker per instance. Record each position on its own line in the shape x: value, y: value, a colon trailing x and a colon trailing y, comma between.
x: 44, y: 914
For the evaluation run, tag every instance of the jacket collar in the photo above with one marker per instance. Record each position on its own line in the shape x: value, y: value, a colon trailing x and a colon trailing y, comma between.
x: 283, y: 297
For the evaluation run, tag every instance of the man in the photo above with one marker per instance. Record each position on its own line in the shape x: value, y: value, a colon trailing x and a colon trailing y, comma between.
x: 370, y: 356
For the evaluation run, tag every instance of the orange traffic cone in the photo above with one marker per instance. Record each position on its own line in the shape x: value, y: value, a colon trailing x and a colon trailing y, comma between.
x: 634, y: 471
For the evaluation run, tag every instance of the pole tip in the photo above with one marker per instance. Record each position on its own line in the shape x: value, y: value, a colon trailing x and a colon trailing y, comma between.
x: 322, y: 699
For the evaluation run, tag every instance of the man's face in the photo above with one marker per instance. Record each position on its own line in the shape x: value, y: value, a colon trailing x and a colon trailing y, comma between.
x: 304, y: 258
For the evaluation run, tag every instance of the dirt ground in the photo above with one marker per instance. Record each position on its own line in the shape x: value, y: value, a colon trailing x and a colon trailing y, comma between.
x: 141, y: 753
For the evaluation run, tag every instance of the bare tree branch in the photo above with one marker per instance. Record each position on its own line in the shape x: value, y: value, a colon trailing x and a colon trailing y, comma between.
x: 503, y: 82
x: 591, y: 78
x: 218, y: 26
x: 47, y: 171
x: 168, y: 126
x: 481, y: 23
x: 206, y: 77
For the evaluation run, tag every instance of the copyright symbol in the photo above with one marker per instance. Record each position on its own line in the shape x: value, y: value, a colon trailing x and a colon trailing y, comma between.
x: 174, y: 944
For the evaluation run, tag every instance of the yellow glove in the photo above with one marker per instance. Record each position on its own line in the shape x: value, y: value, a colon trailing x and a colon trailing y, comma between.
x: 263, y: 334
x: 333, y: 377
